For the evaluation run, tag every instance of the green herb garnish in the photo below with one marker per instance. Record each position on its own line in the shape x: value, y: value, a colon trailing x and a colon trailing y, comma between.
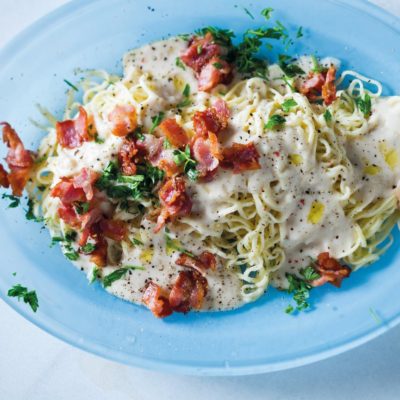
x: 189, y: 165
x: 29, y: 297
x: 316, y: 65
x: 138, y: 133
x: 291, y: 70
x: 179, y: 63
x: 72, y: 255
x: 98, y: 139
x: 364, y: 104
x: 30, y: 215
x: 186, y: 93
x: 171, y: 244
x: 137, y: 242
x: 15, y: 201
x: 267, y: 12
x: 118, y: 274
x: 88, y: 248
x: 94, y: 274
x: 156, y: 120
x: 299, y: 33
x: 327, y: 116
x: 71, y: 85
x: 81, y: 207
x: 275, y: 121
x: 288, y: 105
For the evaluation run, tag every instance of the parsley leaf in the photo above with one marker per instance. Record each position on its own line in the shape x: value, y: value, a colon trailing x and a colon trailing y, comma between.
x: 81, y: 207
x: 156, y: 120
x: 30, y: 215
x: 72, y: 255
x: 316, y: 65
x: 138, y: 133
x: 189, y: 165
x: 217, y: 65
x: 118, y: 274
x: 186, y: 93
x: 88, y: 248
x: 299, y: 33
x: 98, y: 139
x: 267, y: 12
x: 71, y: 85
x: 220, y: 36
x: 364, y: 104
x: 137, y: 242
x: 310, y: 274
x: 275, y: 121
x: 15, y: 201
x: 29, y: 297
x: 179, y: 63
x: 291, y: 70
x: 172, y: 244
x: 288, y: 105
x: 94, y: 274
x: 327, y: 116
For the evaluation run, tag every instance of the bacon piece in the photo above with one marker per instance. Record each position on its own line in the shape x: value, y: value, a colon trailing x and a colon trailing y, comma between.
x: 213, y: 119
x: 215, y: 72
x: 156, y: 299
x: 313, y: 85
x: 200, y: 51
x: 123, y: 119
x: 87, y: 221
x: 240, y: 157
x: 203, y: 262
x: 72, y: 133
x: 329, y: 87
x: 4, y: 177
x: 68, y: 214
x: 67, y: 193
x: 174, y: 201
x: 207, y: 154
x: 19, y: 160
x: 99, y: 255
x: 152, y: 146
x: 188, y: 292
x: 330, y: 270
x: 85, y: 181
x: 168, y: 166
x: 114, y: 229
x: 175, y: 134
x: 126, y: 157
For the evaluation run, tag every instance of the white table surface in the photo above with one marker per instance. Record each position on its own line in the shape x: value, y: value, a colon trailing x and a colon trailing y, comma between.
x: 36, y: 366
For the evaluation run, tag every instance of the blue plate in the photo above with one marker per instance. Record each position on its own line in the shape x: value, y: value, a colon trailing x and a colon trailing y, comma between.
x: 259, y: 337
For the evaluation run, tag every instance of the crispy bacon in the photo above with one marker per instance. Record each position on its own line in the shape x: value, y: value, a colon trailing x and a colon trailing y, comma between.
x: 72, y: 133
x: 207, y: 154
x: 67, y: 193
x: 213, y: 119
x: 168, y: 166
x: 68, y: 214
x: 321, y: 83
x: 114, y: 229
x: 329, y: 87
x: 126, y: 157
x: 4, y: 177
x: 156, y: 299
x: 85, y: 181
x: 174, y: 201
x: 87, y: 221
x: 215, y: 72
x: 203, y: 262
x: 200, y: 51
x: 330, y: 270
x: 240, y: 157
x: 123, y: 119
x: 175, y: 134
x: 151, y: 146
x: 188, y: 292
x: 19, y: 160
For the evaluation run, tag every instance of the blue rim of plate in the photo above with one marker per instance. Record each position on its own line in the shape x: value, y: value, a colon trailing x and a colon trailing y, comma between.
x: 69, y: 336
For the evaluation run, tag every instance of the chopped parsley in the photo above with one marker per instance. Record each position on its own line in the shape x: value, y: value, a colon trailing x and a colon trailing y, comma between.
x: 23, y: 293
x: 248, y: 12
x: 94, y: 274
x: 156, y: 120
x: 173, y: 244
x: 218, y: 65
x: 81, y: 207
x: 300, y: 288
x: 287, y: 105
x: 138, y: 133
x: 137, y: 242
x: 199, y: 49
x: 88, y: 248
x: 220, y: 36
x: 71, y: 254
x: 267, y: 12
x: 299, y: 33
x: 71, y: 85
x: 123, y: 187
x: 327, y: 116
x: 316, y: 65
x: 290, y: 70
x: 118, y: 274
x: 166, y: 144
x: 275, y: 121
x: 30, y: 215
x: 189, y: 165
x: 364, y: 104
x: 14, y: 200
x: 98, y: 139
x: 179, y: 63
x: 186, y: 93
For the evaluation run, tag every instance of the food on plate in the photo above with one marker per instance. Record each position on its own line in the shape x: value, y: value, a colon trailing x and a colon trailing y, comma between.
x: 203, y: 174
